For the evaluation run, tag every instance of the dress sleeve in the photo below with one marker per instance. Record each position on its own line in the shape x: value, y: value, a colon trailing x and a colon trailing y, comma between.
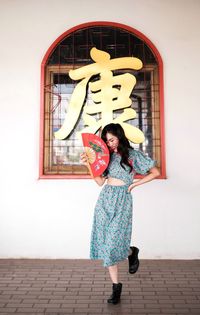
x: 142, y: 163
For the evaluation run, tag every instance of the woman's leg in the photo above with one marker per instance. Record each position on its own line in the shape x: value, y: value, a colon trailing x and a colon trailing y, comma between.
x: 116, y: 287
x: 113, y: 271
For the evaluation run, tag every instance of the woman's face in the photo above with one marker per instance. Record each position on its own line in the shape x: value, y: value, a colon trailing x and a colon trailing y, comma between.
x: 112, y: 141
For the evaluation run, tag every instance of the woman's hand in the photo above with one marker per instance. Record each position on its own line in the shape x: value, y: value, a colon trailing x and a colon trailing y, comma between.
x: 153, y: 173
x: 131, y: 187
x: 84, y: 158
x: 100, y: 180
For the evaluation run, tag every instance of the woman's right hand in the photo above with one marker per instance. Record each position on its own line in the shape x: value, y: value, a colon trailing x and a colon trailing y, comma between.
x: 98, y: 179
x: 84, y: 158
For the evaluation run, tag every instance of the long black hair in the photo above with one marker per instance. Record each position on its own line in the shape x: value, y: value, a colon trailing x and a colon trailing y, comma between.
x: 124, y: 145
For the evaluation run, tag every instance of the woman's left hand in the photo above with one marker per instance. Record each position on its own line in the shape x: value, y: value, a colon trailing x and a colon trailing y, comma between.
x: 131, y: 187
x: 153, y: 173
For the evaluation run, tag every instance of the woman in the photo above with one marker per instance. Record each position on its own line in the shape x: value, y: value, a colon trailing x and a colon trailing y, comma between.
x: 112, y: 223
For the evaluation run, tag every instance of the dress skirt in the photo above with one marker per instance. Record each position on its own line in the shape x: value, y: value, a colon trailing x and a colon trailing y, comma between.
x: 112, y: 225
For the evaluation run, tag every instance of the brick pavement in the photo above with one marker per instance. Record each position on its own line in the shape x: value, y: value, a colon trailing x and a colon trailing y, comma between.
x: 55, y: 287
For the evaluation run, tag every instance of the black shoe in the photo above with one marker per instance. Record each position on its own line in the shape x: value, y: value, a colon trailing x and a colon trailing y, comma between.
x: 133, y: 260
x: 116, y: 293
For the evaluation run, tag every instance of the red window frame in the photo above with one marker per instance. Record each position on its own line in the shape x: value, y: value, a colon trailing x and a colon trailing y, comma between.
x: 42, y: 95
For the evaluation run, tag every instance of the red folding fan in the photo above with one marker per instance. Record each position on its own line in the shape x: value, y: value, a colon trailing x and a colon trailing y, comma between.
x: 97, y: 152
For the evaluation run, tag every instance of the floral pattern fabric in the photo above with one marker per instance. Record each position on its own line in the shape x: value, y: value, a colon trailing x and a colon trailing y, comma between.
x: 112, y: 221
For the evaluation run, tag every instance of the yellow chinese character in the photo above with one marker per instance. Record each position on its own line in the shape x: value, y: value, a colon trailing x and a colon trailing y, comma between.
x: 109, y: 93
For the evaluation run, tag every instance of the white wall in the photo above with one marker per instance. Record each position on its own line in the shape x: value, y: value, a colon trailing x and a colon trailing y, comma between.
x: 52, y: 218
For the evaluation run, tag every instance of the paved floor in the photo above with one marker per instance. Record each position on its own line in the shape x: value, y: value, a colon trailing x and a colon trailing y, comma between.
x: 56, y: 287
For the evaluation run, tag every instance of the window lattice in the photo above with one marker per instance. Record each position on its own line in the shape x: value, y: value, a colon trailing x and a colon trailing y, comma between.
x: 62, y: 157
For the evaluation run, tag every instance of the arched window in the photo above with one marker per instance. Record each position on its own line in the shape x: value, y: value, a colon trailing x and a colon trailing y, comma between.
x: 61, y: 158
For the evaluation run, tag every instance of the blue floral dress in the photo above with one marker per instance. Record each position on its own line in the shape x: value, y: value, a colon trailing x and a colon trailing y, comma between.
x: 112, y: 222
